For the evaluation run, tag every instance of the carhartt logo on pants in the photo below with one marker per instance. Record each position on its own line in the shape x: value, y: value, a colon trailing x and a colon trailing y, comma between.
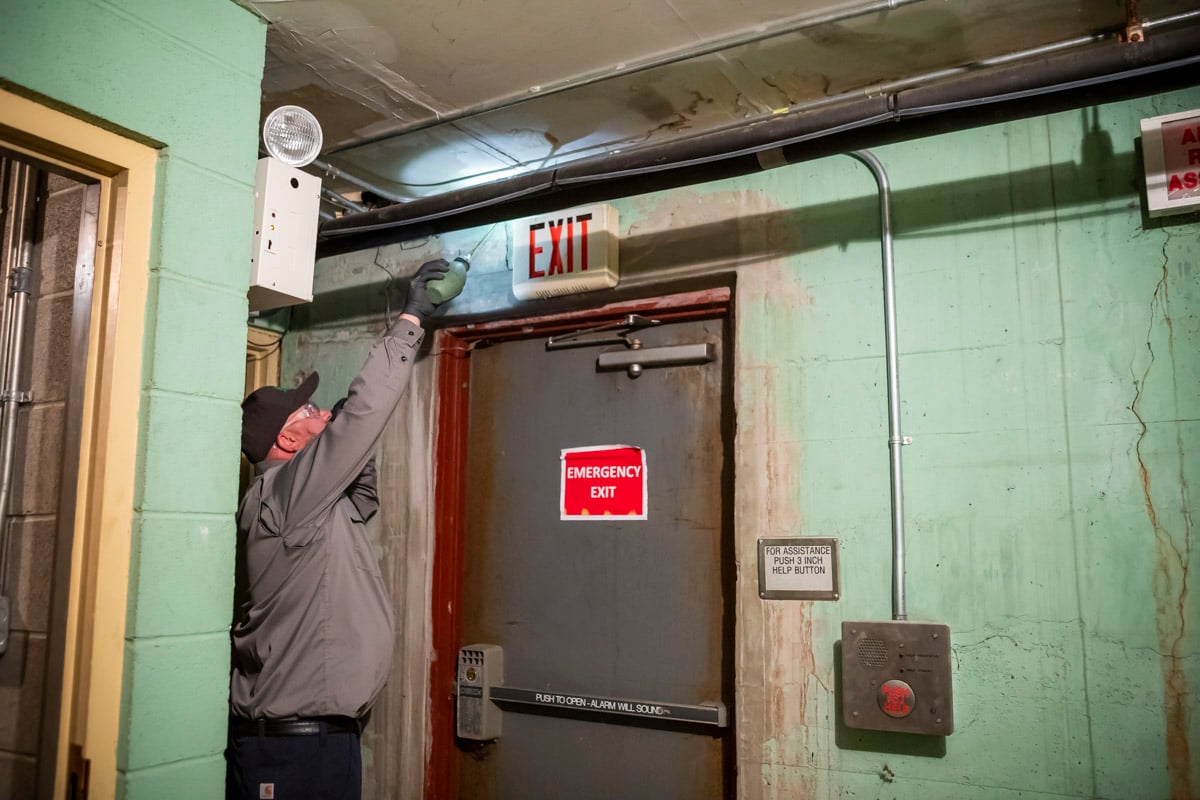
x: 266, y: 791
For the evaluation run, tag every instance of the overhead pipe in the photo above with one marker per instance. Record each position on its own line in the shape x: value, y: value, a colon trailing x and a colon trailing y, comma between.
x: 332, y: 197
x: 828, y: 126
x: 895, y: 440
x: 333, y: 173
x: 742, y: 39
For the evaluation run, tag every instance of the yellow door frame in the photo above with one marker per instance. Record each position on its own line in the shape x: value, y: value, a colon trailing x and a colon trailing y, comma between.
x: 126, y: 169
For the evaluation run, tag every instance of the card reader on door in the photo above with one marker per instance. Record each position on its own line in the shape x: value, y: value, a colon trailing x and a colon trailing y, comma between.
x: 480, y: 667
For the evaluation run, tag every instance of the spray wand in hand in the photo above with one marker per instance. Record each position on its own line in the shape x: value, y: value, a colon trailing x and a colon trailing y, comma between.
x: 451, y: 285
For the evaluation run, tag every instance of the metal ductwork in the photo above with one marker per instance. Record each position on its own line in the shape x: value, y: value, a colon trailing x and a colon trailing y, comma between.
x: 1064, y: 76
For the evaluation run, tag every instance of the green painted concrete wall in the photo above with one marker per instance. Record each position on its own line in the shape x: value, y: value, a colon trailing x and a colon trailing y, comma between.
x: 1050, y: 379
x: 186, y: 76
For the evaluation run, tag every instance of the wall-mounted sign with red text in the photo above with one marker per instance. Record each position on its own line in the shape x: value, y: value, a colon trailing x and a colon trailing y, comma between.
x: 1171, y: 152
x: 564, y: 252
x: 599, y: 483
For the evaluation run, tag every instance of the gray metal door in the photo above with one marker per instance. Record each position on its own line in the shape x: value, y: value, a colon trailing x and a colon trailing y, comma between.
x: 621, y: 608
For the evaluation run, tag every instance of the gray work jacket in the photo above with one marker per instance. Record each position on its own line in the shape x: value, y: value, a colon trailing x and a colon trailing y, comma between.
x: 315, y: 636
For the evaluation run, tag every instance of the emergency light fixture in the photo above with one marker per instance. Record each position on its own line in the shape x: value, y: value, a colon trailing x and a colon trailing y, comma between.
x: 287, y: 205
x: 292, y: 135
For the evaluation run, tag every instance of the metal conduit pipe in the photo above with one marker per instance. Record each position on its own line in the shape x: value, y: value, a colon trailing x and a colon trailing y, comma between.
x: 7, y: 259
x: 1055, y: 80
x: 895, y: 440
x: 19, y: 278
x: 336, y: 199
x: 10, y: 255
x: 333, y: 173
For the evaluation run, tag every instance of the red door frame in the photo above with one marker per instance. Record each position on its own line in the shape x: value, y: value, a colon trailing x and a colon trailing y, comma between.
x: 454, y: 372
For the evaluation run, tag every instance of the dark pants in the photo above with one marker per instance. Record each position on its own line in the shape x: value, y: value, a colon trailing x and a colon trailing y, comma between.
x: 323, y: 766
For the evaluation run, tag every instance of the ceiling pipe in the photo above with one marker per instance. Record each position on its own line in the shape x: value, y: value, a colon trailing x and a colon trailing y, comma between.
x: 333, y: 174
x: 1099, y: 73
x: 753, y: 36
x: 895, y: 440
x: 333, y: 198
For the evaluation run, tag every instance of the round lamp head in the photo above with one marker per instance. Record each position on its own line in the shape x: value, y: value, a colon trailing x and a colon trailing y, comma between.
x: 293, y: 135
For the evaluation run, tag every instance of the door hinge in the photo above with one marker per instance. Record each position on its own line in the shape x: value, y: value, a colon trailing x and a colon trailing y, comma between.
x: 78, y: 772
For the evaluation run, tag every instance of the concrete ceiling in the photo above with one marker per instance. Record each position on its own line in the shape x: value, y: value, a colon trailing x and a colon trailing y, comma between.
x: 418, y: 98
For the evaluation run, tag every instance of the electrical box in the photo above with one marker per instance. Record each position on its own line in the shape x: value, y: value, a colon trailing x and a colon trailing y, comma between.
x: 480, y: 667
x: 896, y: 677
x: 287, y: 204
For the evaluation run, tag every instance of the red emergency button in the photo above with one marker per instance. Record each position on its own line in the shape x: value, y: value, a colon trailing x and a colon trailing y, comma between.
x: 896, y: 698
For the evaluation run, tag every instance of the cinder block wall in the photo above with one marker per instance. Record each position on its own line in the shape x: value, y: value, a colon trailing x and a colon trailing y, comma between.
x: 34, y: 506
x: 185, y: 76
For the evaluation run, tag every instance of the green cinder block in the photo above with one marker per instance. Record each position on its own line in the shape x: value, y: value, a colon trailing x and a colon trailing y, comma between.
x: 181, y: 576
x: 194, y: 779
x: 191, y: 437
x: 175, y: 703
x: 185, y: 314
x: 208, y: 223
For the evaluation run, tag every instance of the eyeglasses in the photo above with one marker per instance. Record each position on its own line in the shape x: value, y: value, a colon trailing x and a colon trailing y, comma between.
x: 305, y: 411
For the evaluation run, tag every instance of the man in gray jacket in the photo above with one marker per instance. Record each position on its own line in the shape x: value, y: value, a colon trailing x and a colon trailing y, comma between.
x: 313, y: 643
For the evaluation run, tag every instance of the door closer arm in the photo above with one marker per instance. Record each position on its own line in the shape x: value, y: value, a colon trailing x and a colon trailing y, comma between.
x: 634, y: 358
x: 608, y: 333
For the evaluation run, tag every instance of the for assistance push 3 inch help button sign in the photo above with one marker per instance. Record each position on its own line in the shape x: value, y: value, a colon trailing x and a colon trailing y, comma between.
x: 599, y: 483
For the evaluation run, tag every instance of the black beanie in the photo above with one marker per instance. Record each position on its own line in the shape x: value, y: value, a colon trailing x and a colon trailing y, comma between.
x: 265, y: 411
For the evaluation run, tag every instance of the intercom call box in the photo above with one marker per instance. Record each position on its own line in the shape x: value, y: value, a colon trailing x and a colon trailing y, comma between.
x: 896, y: 677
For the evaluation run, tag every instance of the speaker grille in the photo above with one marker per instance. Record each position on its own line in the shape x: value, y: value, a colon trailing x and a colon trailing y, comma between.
x: 873, y: 652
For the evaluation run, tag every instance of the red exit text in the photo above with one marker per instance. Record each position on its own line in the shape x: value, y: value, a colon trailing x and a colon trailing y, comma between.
x: 566, y: 236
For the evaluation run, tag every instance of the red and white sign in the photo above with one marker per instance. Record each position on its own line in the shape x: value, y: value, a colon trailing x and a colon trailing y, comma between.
x: 1171, y: 151
x: 599, y: 483
x: 565, y: 252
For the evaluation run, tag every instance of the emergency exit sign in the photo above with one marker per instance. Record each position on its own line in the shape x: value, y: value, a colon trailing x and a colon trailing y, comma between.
x: 565, y: 252
x: 600, y: 483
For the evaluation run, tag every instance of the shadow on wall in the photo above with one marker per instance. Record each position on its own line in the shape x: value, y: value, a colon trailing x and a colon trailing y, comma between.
x: 997, y: 202
x: 978, y: 204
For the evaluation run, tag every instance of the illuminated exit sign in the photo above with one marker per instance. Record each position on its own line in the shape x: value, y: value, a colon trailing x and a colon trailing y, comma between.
x: 565, y: 252
x: 1171, y: 153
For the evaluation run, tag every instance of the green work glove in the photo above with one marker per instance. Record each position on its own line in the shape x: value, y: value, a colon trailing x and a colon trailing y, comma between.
x: 418, y: 302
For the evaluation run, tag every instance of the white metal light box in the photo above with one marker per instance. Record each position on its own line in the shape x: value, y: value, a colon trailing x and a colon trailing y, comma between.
x: 286, y: 207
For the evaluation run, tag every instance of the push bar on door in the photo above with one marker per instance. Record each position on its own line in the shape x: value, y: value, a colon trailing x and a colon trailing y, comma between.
x: 480, y: 683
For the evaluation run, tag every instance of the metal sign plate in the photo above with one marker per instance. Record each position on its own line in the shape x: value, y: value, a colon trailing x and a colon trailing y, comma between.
x: 798, y: 568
